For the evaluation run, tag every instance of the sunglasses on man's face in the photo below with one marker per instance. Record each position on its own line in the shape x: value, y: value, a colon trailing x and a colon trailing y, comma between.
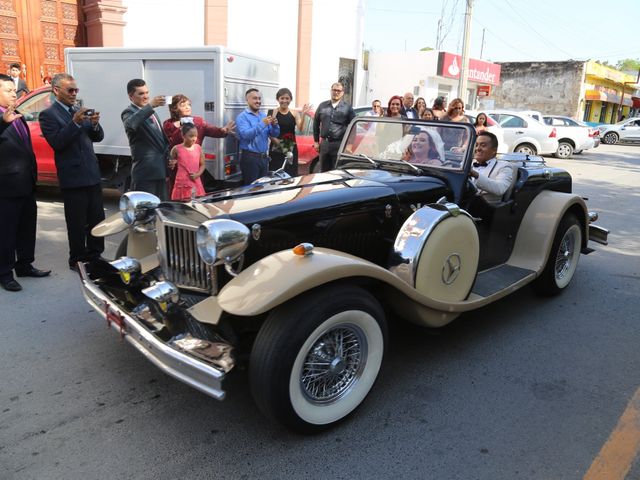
x: 69, y: 90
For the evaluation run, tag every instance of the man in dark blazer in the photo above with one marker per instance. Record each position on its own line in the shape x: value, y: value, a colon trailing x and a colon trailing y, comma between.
x: 18, y: 208
x: 21, y: 85
x: 149, y: 145
x: 71, y: 132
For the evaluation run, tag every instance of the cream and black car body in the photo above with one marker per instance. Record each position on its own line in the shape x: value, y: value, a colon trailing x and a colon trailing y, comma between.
x: 299, y: 278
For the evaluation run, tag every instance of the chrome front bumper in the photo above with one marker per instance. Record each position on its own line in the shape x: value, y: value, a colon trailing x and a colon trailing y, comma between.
x: 179, y: 365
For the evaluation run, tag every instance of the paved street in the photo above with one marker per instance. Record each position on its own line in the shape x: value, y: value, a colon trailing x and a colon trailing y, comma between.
x: 527, y: 388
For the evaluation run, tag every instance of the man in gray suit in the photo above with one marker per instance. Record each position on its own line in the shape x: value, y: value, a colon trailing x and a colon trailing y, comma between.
x: 149, y: 145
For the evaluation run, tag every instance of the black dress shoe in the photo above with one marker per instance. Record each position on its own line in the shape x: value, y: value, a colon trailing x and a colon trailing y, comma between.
x: 11, y: 285
x: 33, y: 272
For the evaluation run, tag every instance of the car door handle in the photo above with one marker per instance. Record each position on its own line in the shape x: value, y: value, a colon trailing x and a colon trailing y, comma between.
x: 519, y: 132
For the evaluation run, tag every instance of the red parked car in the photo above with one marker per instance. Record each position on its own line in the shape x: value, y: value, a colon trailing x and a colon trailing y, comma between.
x: 30, y: 106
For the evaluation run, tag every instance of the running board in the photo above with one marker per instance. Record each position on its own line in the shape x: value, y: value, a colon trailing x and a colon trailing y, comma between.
x: 490, y: 282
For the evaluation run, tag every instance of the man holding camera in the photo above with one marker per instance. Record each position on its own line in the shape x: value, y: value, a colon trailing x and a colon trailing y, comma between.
x: 71, y: 131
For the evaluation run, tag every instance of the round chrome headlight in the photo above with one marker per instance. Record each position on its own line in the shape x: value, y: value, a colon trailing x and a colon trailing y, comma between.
x: 138, y: 207
x: 221, y: 240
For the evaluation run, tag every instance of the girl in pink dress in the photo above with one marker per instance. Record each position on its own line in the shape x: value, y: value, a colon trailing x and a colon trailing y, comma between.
x: 189, y: 161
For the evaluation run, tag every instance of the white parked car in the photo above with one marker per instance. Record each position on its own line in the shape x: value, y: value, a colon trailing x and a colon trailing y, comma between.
x: 573, y: 136
x: 493, y: 127
x: 628, y: 130
x: 525, y: 134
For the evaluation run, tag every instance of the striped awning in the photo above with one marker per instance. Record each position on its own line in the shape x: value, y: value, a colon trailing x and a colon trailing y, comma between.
x: 607, y: 97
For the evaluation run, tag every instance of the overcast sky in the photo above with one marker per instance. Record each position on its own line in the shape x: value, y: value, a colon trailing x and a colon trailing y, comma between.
x: 514, y: 30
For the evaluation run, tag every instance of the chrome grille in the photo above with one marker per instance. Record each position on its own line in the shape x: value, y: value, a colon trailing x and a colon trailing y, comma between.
x: 180, y: 260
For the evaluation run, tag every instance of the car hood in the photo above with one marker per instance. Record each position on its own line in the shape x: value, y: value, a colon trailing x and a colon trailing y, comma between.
x: 320, y: 192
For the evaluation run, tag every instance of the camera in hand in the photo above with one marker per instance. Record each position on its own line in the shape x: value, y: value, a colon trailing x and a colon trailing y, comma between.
x: 90, y: 112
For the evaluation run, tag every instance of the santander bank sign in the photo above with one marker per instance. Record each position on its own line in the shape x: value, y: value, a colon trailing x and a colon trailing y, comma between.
x: 450, y: 65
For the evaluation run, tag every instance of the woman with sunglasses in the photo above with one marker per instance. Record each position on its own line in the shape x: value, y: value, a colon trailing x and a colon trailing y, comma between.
x: 455, y: 112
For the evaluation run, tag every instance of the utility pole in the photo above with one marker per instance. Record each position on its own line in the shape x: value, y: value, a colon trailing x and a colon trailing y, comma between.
x: 482, y: 44
x: 466, y: 40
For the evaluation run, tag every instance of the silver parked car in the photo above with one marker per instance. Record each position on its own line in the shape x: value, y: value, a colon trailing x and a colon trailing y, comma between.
x: 573, y: 136
x: 525, y: 134
x: 628, y: 130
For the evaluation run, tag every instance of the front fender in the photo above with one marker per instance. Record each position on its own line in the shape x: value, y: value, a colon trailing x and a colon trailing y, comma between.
x: 282, y: 276
x: 110, y: 226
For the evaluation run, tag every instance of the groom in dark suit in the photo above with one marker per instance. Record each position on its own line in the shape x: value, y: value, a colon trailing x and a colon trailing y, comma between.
x: 149, y: 145
x: 71, y: 131
x: 18, y: 208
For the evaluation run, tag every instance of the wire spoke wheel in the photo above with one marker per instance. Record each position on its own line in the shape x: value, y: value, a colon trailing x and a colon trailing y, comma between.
x: 563, y: 259
x: 334, y: 364
x: 566, y: 257
x: 316, y: 358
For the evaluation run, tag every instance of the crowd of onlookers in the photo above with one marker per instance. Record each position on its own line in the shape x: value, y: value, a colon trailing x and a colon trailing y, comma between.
x: 405, y: 107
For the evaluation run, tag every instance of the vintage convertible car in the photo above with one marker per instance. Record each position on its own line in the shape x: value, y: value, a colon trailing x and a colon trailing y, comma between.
x: 299, y: 277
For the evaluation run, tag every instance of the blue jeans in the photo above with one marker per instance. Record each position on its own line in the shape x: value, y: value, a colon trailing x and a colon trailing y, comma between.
x: 254, y: 165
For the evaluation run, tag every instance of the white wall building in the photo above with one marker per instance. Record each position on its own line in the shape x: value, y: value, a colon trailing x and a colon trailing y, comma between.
x: 428, y: 74
x: 299, y: 34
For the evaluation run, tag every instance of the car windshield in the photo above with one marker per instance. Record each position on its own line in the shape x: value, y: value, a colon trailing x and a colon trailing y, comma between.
x: 414, y: 143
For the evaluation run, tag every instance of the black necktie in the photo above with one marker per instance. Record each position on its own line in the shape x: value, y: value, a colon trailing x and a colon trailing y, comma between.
x: 476, y: 164
x: 71, y: 111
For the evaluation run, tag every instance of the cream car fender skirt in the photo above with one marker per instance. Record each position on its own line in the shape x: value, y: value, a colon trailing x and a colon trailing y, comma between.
x: 110, y: 226
x: 539, y: 225
x: 436, y: 251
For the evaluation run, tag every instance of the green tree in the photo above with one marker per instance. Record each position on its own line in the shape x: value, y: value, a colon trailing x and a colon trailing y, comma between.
x: 425, y: 49
x: 628, y: 64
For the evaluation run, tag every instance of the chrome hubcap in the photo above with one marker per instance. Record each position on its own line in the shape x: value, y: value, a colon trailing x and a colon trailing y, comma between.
x: 334, y: 364
x: 565, y: 255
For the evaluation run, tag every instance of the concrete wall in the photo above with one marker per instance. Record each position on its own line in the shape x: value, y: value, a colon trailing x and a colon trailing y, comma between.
x: 549, y: 87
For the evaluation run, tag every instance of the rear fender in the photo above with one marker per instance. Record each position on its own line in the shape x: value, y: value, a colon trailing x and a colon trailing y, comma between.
x: 539, y: 225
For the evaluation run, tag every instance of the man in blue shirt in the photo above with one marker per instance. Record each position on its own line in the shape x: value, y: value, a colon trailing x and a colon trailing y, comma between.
x: 254, y: 129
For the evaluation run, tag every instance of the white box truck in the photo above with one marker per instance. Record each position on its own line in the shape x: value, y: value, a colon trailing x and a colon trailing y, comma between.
x: 214, y: 78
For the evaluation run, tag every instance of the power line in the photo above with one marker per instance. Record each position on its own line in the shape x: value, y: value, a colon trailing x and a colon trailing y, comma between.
x: 544, y: 39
